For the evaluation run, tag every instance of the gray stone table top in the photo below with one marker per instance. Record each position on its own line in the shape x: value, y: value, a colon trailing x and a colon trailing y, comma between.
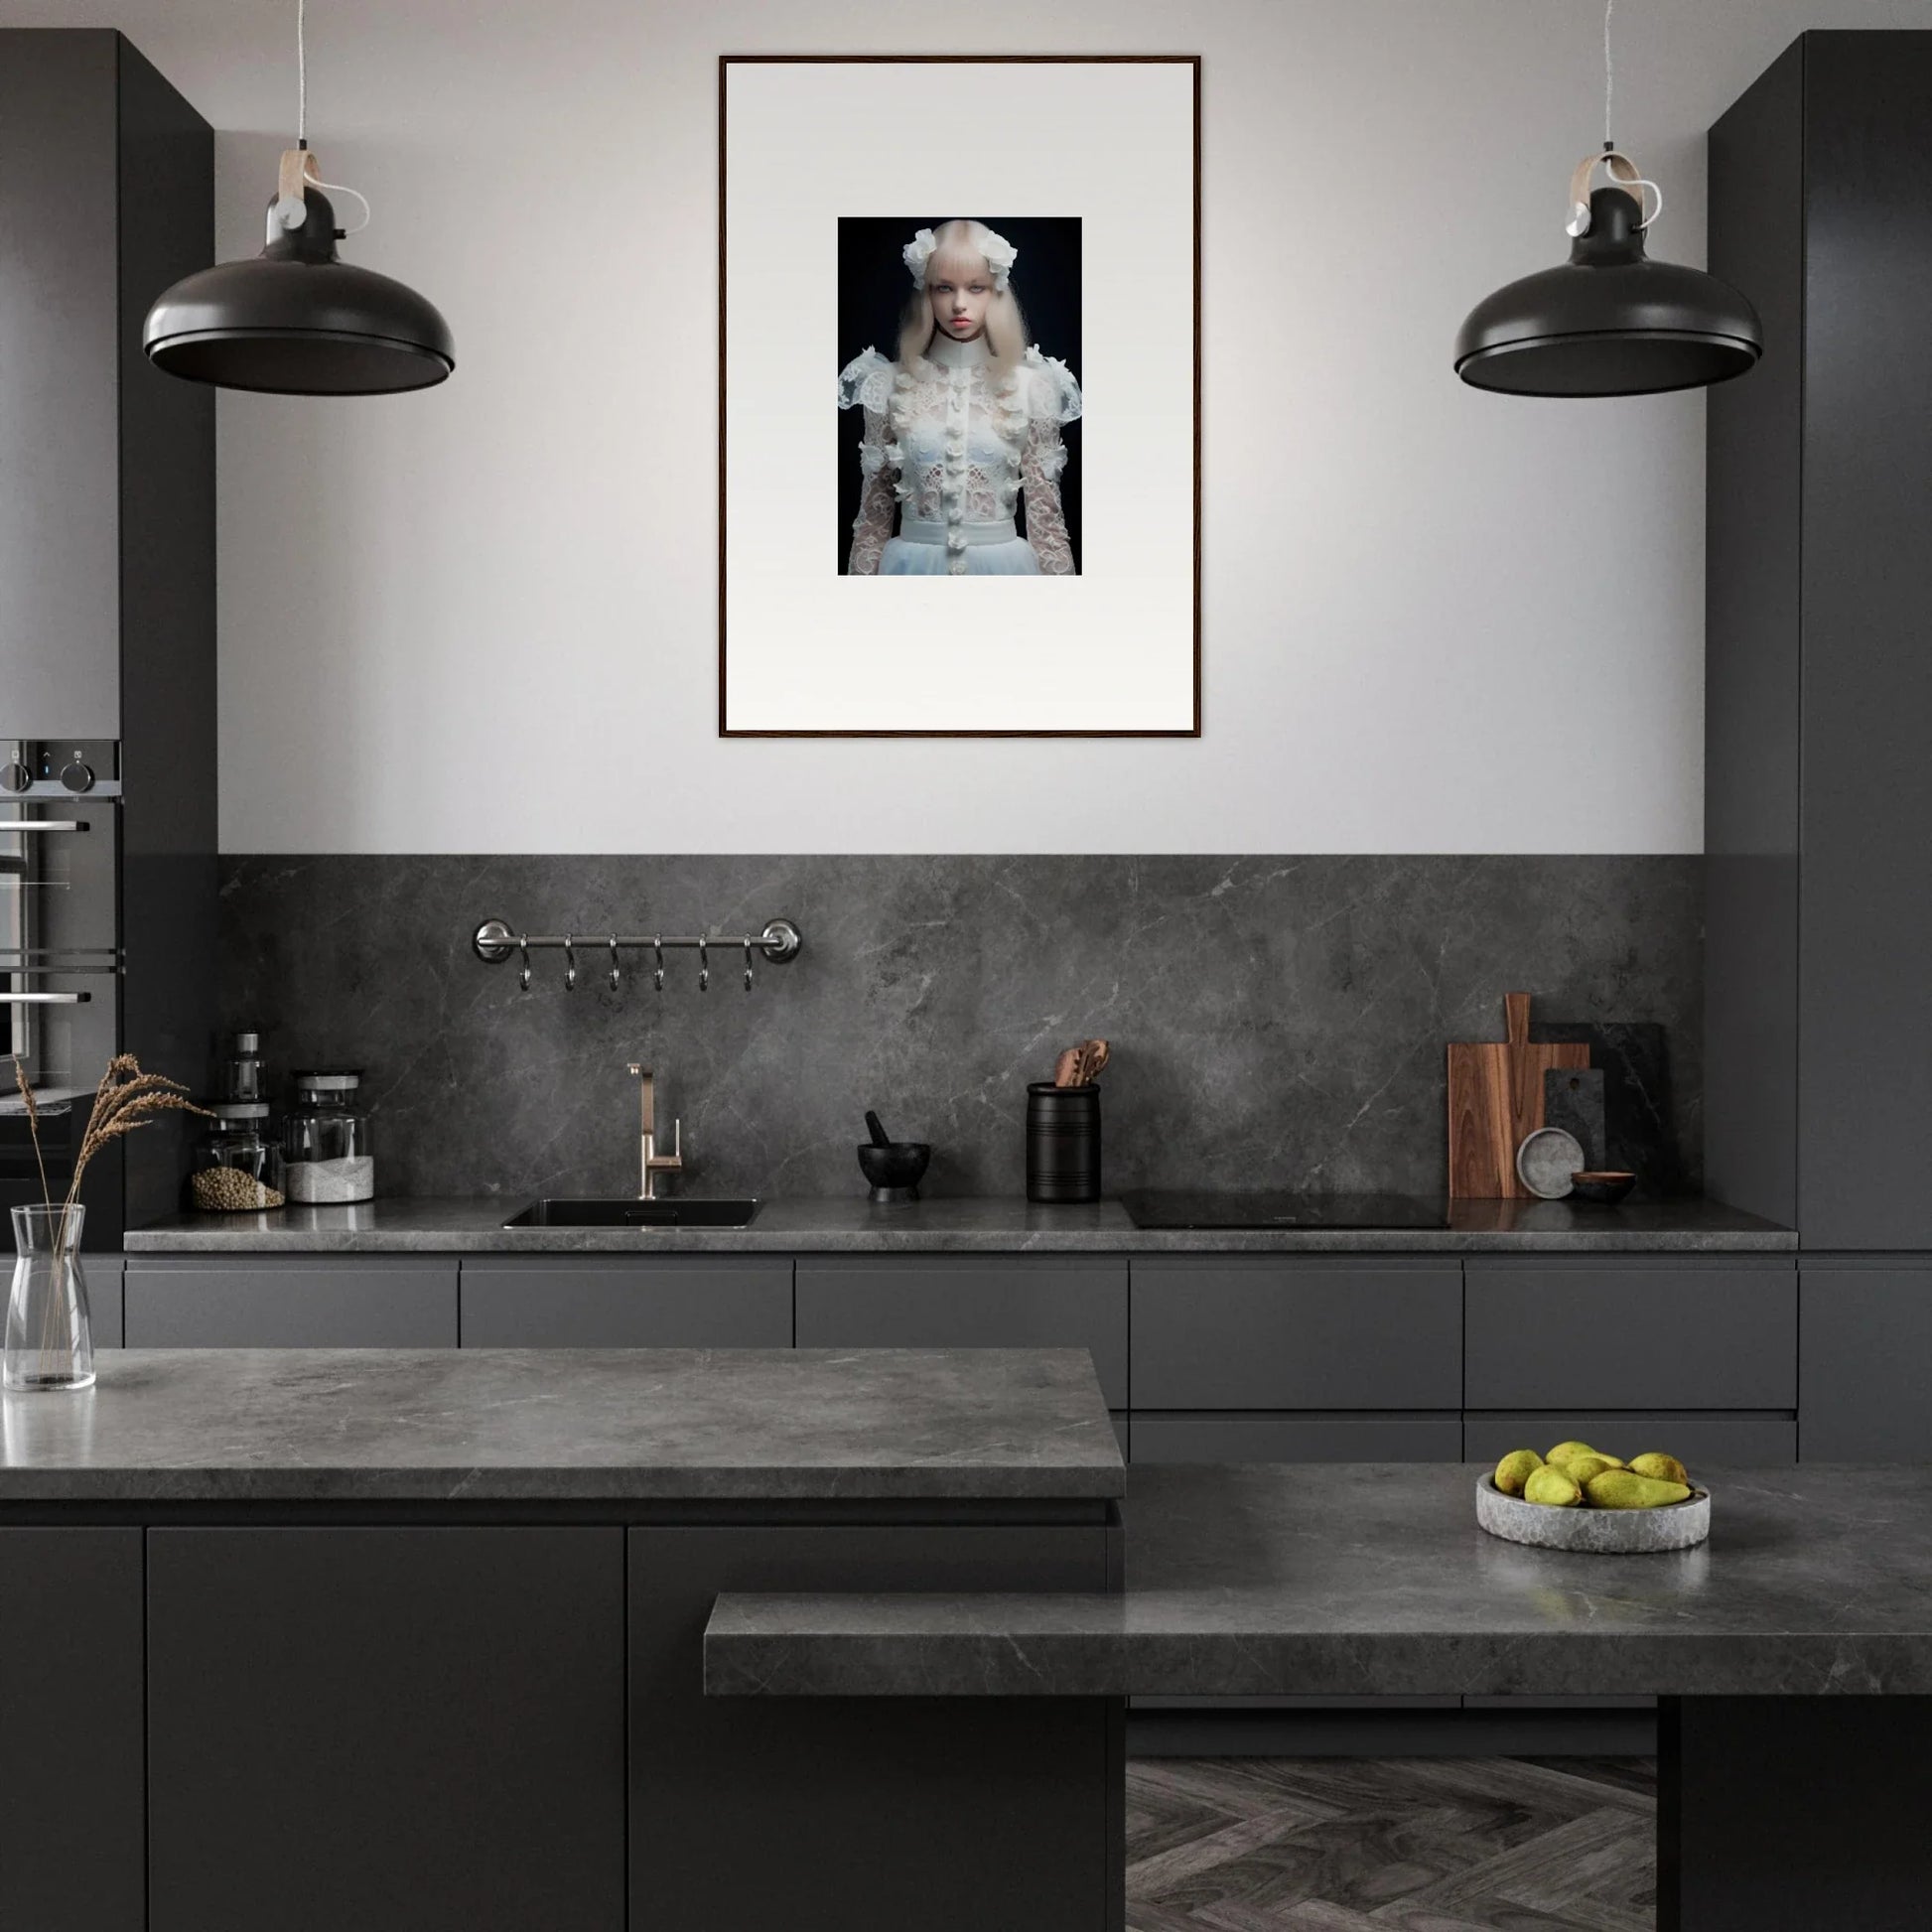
x: 958, y: 1226
x: 1373, y: 1579
x: 565, y: 1425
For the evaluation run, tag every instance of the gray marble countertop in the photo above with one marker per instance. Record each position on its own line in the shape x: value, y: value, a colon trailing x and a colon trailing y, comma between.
x: 1373, y: 1579
x: 565, y: 1425
x: 958, y: 1226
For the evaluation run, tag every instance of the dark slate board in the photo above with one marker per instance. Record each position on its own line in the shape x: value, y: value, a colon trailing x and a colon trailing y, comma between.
x: 1634, y: 1056
x: 1573, y: 1099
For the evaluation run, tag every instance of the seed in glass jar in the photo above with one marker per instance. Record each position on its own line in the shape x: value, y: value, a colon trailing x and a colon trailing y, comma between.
x: 229, y: 1190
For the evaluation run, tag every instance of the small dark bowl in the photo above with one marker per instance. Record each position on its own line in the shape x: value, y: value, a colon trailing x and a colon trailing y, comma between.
x: 1604, y: 1187
x: 894, y: 1168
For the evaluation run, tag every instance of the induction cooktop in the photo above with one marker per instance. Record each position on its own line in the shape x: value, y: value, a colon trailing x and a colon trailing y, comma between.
x: 1158, y: 1209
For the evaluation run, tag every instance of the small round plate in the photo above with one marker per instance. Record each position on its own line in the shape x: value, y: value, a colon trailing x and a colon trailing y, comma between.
x: 1546, y: 1161
x: 1594, y: 1532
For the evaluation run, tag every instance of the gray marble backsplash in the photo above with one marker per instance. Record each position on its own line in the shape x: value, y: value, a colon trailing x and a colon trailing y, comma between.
x: 1276, y: 1022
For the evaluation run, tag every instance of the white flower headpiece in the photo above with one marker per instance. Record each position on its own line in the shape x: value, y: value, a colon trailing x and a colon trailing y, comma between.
x: 1000, y: 255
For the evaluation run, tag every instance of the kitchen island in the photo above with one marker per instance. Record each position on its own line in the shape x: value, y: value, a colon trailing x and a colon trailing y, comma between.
x: 1793, y: 1651
x: 413, y: 1639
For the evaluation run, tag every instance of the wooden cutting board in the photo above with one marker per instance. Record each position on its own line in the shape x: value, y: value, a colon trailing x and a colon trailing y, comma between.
x: 1495, y: 1100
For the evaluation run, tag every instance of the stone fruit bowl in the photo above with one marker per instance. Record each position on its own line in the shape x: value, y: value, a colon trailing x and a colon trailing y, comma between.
x: 1599, y: 1532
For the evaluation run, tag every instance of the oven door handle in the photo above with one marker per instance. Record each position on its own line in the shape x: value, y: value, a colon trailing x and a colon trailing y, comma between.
x: 43, y: 824
x: 45, y: 999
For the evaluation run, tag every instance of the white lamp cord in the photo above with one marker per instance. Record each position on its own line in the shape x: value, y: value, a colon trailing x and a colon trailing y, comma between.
x: 1610, y: 71
x: 1621, y: 169
x: 295, y: 209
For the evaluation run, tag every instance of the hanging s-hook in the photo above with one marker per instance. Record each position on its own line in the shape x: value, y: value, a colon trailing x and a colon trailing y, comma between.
x: 1624, y: 172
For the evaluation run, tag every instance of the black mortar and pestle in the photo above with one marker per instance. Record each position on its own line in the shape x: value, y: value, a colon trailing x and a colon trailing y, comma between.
x: 893, y: 1167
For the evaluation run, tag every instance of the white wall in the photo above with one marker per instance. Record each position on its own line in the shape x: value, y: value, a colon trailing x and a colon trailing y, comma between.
x: 484, y: 618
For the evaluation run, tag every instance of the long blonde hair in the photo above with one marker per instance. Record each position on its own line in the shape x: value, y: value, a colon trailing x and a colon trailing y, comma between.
x: 961, y: 253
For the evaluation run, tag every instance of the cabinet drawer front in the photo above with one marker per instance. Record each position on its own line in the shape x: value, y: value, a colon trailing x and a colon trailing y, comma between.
x: 1867, y: 1362
x: 665, y: 1304
x: 449, y: 1702
x: 103, y: 1273
x: 1633, y: 1336
x: 1734, y: 1442
x: 942, y: 1303
x: 366, y: 1305
x: 1277, y: 1335
x: 1298, y: 1439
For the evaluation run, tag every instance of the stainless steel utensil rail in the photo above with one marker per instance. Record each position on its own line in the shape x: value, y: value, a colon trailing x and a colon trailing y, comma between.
x: 495, y: 941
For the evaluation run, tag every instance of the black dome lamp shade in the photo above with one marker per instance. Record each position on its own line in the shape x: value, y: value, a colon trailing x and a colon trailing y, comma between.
x: 1609, y: 322
x: 298, y: 320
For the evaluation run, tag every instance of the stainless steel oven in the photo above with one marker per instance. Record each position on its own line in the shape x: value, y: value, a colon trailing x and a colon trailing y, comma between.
x: 61, y: 960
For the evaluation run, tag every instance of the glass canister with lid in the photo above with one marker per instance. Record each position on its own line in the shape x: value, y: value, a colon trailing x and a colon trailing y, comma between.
x: 328, y: 1156
x: 238, y: 1162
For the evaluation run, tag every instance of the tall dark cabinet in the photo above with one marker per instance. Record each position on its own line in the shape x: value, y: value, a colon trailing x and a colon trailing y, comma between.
x: 107, y: 677
x: 1819, y: 716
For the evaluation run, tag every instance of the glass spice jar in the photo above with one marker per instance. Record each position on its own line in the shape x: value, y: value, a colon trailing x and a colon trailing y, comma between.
x: 239, y: 1163
x: 330, y: 1156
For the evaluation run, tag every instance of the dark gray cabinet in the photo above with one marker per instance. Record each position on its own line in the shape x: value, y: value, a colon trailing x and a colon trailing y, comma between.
x: 1865, y: 1356
x: 1553, y: 1332
x: 60, y: 415
x: 103, y: 1273
x: 73, y: 1737
x: 960, y: 1301
x: 962, y: 1813
x: 107, y: 564
x: 300, y: 1302
x: 1736, y: 1440
x: 663, y: 1301
x: 404, y: 1730
x: 1298, y: 1439
x: 1818, y: 794
x: 1263, y: 1333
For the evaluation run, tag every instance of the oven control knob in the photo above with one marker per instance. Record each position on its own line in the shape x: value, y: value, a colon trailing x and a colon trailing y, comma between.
x: 77, y: 776
x: 15, y: 777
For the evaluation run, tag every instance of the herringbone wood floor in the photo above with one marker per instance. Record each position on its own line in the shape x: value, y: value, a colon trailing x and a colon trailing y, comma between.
x: 1391, y: 1844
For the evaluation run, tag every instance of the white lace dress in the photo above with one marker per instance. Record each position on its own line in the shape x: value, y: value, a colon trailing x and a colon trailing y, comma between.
x: 953, y: 448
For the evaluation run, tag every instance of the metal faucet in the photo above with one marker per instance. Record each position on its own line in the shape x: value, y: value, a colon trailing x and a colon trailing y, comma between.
x: 650, y: 1163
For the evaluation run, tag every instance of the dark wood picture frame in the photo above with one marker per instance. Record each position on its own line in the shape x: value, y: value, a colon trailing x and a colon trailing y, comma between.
x: 728, y: 61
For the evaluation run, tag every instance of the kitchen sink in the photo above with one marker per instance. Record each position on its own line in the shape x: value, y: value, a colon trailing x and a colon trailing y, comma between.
x: 633, y: 1213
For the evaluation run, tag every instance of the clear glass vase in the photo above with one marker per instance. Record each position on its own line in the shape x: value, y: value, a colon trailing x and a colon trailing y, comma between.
x: 50, y: 1337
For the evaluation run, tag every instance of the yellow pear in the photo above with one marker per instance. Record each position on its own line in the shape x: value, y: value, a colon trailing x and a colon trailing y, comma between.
x: 1550, y: 1485
x: 1564, y: 1451
x: 1515, y: 1470
x: 1624, y: 1489
x: 1666, y: 1468
x: 1579, y: 1468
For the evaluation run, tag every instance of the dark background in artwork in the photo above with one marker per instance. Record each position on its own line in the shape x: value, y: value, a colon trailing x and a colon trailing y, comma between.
x: 874, y: 285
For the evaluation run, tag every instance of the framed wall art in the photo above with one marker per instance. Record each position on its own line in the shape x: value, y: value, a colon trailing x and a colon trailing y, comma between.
x: 989, y: 526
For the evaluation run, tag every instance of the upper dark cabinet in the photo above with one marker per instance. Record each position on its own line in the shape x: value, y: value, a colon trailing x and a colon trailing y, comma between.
x: 1818, y: 805
x: 106, y: 520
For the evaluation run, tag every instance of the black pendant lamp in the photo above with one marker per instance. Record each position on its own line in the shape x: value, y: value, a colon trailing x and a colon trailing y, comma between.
x: 297, y: 320
x: 1609, y: 322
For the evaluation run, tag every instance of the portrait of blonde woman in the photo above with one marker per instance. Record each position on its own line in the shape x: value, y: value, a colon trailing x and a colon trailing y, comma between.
x: 965, y: 457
